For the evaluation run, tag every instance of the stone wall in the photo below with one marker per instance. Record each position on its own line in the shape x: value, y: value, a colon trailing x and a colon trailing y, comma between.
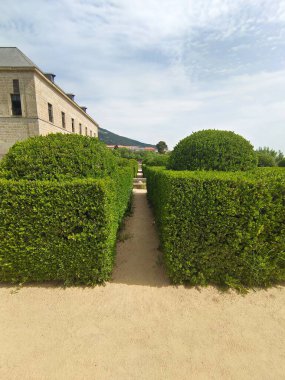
x: 46, y: 93
x: 16, y: 128
x: 36, y: 92
x: 27, y: 91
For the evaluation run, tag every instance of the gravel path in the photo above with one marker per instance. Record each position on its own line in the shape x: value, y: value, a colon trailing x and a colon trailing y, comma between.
x: 139, y: 326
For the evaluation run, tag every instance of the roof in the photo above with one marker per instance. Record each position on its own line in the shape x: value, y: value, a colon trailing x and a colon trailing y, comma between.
x: 13, y: 57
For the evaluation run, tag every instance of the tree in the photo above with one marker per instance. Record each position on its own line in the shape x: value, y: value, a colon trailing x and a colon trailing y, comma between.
x: 161, y: 147
x: 278, y: 156
x: 265, y: 159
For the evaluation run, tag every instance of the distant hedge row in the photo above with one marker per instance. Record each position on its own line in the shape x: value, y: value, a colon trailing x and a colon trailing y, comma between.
x: 123, y: 162
x: 61, y: 230
x: 223, y: 228
x: 157, y: 160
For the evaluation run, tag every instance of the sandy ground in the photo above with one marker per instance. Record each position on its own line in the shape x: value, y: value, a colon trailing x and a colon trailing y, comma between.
x: 139, y: 326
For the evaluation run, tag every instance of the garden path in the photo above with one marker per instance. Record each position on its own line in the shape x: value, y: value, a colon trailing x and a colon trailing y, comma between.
x: 138, y: 257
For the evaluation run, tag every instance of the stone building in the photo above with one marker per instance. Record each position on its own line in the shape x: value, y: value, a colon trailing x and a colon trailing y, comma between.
x: 31, y: 104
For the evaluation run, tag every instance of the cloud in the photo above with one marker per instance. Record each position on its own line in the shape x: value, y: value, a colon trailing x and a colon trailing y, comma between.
x: 154, y: 70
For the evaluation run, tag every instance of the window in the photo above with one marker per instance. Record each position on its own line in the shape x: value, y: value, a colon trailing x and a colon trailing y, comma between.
x: 86, y: 131
x: 80, y: 128
x: 50, y: 113
x: 72, y: 125
x: 16, y: 105
x: 16, y: 87
x: 63, y: 119
x: 90, y: 133
x: 16, y: 99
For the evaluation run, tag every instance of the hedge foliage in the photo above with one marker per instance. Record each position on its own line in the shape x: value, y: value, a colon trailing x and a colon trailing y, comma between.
x: 134, y: 154
x: 62, y: 199
x: 157, y: 160
x: 124, y: 162
x: 213, y: 150
x: 265, y: 159
x: 218, y: 227
x: 61, y: 230
x: 59, y: 156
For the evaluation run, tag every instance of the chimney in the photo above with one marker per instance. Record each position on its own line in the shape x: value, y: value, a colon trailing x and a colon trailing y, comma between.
x: 84, y: 108
x: 71, y: 96
x: 50, y: 76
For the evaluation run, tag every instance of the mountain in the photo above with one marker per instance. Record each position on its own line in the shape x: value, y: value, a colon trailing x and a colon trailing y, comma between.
x: 111, y: 138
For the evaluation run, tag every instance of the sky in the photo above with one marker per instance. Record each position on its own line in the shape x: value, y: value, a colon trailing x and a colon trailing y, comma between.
x: 156, y: 70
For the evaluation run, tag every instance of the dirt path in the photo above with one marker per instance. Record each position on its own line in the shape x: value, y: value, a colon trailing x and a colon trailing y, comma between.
x: 139, y: 327
x: 138, y: 258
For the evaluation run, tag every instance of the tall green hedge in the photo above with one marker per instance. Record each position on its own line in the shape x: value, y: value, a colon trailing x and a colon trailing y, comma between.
x: 60, y: 230
x: 219, y: 227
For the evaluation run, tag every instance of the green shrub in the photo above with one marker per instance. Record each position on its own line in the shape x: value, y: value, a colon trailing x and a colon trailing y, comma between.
x: 213, y: 150
x: 123, y: 180
x: 277, y: 155
x: 265, y: 159
x: 59, y: 156
x: 281, y: 163
x: 134, y: 164
x: 4, y: 173
x: 60, y: 230
x: 157, y: 160
x: 222, y: 228
x: 134, y: 154
x: 123, y: 162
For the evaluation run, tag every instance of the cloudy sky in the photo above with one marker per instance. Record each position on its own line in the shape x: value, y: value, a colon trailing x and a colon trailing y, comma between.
x: 160, y: 69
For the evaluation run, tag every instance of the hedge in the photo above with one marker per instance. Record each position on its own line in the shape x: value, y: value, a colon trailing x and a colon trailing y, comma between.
x: 66, y: 231
x: 219, y: 227
x: 59, y: 157
x: 157, y: 160
x: 123, y: 162
x: 213, y: 150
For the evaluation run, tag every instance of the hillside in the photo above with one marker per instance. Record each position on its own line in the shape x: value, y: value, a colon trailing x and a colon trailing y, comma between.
x: 111, y: 138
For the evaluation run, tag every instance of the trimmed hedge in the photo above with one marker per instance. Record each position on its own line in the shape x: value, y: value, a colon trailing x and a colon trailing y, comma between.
x: 123, y: 162
x: 157, y: 160
x: 53, y: 230
x: 218, y: 227
x: 213, y: 150
x: 59, y: 157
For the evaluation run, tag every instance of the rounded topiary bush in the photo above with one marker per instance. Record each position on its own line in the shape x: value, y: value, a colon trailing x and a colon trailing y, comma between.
x: 213, y: 150
x: 59, y: 156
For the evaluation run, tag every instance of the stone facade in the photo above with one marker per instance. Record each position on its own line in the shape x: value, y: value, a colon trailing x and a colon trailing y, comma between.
x: 37, y: 94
